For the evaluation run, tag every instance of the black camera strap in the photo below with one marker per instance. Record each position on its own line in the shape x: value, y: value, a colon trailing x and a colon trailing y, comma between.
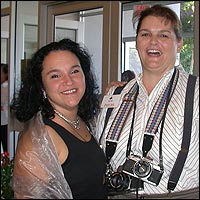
x: 188, y: 116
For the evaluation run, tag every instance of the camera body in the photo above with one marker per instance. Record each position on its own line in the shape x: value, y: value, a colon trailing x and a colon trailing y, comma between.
x: 143, y: 169
x: 120, y: 183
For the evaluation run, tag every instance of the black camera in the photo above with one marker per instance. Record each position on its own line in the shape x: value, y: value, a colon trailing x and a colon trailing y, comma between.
x: 120, y: 183
x: 143, y: 169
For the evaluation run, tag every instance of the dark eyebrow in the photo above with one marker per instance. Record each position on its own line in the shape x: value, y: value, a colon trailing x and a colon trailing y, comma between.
x: 78, y: 65
x: 57, y: 70
x: 52, y: 71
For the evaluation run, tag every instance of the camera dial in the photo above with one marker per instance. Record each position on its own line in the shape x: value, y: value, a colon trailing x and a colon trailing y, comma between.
x: 142, y: 168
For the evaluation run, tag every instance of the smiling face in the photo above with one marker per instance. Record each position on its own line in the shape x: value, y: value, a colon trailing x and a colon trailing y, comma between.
x: 157, y: 45
x: 63, y: 80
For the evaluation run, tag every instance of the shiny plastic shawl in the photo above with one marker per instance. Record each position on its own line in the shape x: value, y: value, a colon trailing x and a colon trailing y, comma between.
x: 37, y: 171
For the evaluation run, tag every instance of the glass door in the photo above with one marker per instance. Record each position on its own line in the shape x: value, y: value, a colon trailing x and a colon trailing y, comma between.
x: 23, y: 43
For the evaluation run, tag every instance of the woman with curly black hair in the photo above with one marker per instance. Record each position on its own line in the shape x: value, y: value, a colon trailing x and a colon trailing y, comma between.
x: 57, y: 156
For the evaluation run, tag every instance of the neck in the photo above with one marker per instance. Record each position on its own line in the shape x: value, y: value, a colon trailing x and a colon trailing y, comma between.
x: 74, y: 123
x: 150, y: 79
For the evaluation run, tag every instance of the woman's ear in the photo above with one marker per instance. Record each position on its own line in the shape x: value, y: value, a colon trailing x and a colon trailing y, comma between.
x: 180, y: 44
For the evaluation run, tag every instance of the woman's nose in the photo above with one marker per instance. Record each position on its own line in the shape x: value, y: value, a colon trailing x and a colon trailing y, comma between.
x: 67, y: 80
x: 154, y: 40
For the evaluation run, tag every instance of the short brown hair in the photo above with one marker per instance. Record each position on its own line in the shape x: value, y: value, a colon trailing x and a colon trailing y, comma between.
x: 159, y: 11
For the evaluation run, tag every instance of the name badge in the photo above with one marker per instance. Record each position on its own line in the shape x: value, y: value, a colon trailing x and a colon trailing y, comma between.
x: 110, y: 101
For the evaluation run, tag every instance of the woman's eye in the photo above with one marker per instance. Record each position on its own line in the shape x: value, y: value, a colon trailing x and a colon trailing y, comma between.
x: 75, y: 71
x: 163, y: 36
x: 145, y: 34
x: 55, y: 76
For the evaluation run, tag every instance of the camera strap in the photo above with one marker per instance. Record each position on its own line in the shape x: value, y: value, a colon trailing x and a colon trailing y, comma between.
x: 188, y: 116
x: 157, y: 115
x: 121, y: 116
x: 119, y: 120
x: 153, y: 122
x: 111, y: 147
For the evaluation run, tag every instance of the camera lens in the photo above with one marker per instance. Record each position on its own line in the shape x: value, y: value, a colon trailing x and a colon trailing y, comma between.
x: 119, y: 181
x: 142, y: 168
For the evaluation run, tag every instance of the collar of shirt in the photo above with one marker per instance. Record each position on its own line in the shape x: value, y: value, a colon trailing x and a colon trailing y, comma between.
x: 159, y: 86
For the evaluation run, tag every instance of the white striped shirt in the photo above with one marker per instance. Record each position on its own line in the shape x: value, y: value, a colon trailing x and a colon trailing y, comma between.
x: 172, y: 132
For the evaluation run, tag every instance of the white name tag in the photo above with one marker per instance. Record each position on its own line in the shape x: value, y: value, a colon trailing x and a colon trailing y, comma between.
x: 110, y: 101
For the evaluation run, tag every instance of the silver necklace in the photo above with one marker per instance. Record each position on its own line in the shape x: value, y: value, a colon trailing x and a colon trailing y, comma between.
x: 74, y: 123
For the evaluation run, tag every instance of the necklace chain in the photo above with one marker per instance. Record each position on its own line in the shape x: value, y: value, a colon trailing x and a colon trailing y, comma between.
x: 75, y: 123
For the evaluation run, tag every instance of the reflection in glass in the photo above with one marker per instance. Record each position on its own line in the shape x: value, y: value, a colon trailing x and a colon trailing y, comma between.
x: 65, y: 32
x: 30, y: 40
x: 4, y: 50
x: 5, y: 38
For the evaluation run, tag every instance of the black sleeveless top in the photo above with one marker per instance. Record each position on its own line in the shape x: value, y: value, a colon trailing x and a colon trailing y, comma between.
x: 85, y: 166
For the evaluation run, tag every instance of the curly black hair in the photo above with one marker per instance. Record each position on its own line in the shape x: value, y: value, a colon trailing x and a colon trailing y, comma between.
x: 30, y: 98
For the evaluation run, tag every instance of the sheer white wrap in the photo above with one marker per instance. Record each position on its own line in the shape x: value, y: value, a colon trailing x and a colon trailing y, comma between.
x: 37, y: 171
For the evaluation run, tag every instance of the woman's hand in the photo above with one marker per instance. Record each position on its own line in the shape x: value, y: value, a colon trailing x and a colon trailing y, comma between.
x: 114, y: 83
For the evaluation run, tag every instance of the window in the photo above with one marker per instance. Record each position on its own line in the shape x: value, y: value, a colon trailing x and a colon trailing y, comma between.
x: 131, y: 59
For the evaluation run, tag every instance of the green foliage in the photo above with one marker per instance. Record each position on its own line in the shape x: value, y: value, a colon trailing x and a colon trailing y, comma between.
x: 7, y: 166
x: 187, y: 16
x: 186, y: 53
x: 187, y: 20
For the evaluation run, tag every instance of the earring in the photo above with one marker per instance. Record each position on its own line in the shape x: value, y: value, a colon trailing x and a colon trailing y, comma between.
x: 44, y: 94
